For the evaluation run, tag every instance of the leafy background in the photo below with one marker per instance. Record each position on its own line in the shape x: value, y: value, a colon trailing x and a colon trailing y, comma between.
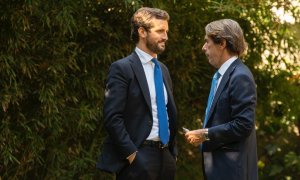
x: 54, y: 58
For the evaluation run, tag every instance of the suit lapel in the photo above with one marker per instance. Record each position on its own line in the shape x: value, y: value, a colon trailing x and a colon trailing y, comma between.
x: 167, y: 85
x: 141, y: 77
x: 222, y: 84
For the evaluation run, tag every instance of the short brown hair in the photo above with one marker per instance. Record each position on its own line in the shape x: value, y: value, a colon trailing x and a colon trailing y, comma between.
x: 230, y: 31
x: 142, y: 18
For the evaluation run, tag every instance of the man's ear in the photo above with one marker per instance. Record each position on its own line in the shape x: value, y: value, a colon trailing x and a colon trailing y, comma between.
x: 223, y: 44
x: 142, y: 32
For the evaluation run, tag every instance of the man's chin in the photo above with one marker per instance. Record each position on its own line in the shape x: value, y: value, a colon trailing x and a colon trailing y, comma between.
x: 211, y: 62
x: 160, y: 50
x: 162, y: 47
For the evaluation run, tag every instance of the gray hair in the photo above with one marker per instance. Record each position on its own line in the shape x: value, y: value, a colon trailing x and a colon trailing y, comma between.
x: 230, y: 31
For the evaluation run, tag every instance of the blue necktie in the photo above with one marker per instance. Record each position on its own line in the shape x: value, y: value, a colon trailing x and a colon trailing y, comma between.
x: 211, y: 95
x: 160, y: 101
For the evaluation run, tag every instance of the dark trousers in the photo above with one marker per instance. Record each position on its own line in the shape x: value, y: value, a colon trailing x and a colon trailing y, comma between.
x: 150, y: 163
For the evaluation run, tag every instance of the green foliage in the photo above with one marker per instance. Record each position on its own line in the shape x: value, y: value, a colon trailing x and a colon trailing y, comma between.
x: 54, y: 58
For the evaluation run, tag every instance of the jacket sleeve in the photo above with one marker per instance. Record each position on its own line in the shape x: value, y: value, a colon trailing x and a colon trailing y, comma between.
x: 242, y: 103
x: 114, y: 105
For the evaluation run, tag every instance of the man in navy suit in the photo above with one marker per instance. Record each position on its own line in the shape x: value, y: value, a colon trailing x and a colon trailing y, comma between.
x: 138, y: 146
x: 227, y: 139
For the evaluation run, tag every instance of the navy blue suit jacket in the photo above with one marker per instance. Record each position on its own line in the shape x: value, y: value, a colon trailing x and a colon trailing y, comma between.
x: 231, y: 151
x: 128, y: 114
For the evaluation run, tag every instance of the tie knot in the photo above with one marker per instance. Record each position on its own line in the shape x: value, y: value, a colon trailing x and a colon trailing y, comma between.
x: 154, y: 60
x: 217, y: 75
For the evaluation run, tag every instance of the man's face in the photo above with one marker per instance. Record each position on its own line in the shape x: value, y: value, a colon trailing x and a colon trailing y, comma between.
x: 157, y: 36
x: 213, y: 52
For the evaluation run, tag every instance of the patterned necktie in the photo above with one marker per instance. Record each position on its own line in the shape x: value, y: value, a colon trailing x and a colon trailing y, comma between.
x: 160, y: 101
x: 211, y: 95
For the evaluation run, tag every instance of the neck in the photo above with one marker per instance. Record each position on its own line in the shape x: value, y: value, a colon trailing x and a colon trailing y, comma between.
x: 142, y: 46
x: 225, y: 57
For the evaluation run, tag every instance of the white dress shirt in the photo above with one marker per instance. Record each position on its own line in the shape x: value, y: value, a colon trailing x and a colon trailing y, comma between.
x: 224, y: 68
x: 148, y: 66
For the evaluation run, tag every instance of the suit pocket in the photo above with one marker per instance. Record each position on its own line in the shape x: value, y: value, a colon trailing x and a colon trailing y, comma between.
x: 136, y: 169
x: 134, y: 160
x: 230, y: 148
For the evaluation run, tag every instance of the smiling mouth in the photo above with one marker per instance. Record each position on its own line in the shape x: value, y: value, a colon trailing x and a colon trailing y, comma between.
x: 162, y: 44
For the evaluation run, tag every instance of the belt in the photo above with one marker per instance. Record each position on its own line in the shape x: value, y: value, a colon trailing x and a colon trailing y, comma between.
x: 156, y: 144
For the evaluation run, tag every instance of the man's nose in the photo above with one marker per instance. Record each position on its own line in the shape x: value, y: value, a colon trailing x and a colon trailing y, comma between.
x: 204, y: 48
x: 165, y: 37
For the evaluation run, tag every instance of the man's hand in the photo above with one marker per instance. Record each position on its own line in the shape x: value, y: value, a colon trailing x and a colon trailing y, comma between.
x: 196, y: 137
x: 131, y: 157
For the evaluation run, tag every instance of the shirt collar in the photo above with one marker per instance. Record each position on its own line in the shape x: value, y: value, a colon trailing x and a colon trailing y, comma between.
x: 226, y: 65
x: 144, y: 57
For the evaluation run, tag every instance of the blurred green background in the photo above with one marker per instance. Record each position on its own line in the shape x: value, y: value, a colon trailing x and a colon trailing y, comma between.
x: 54, y: 59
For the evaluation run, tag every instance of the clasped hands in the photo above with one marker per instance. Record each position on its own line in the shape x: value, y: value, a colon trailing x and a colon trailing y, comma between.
x: 196, y: 137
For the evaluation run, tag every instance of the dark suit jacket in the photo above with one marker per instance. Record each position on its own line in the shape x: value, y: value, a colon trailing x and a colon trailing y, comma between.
x: 127, y: 112
x: 231, y: 152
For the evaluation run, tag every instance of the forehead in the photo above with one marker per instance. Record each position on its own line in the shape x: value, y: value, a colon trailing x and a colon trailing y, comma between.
x: 159, y: 24
x: 206, y: 37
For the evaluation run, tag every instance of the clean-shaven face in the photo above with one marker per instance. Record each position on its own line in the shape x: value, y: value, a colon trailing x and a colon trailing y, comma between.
x: 213, y: 52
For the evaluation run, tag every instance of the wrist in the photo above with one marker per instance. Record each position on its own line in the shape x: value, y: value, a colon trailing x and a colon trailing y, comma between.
x: 131, y: 157
x: 206, y: 138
